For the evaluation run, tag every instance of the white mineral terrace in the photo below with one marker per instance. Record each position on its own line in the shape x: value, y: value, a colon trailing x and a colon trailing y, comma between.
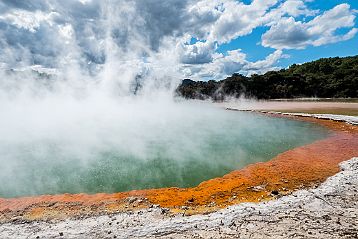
x: 342, y: 118
x: 353, y: 120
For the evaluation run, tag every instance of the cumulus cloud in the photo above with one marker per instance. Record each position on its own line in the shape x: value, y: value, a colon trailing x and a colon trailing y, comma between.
x: 198, y: 53
x: 265, y: 65
x: 235, y: 61
x: 239, y: 19
x: 151, y: 35
x: 288, y: 33
x: 25, y: 19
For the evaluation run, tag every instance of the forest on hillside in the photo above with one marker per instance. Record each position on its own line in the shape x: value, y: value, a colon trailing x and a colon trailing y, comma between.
x: 325, y: 78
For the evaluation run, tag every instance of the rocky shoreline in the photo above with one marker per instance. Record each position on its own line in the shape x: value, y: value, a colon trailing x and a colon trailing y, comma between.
x: 328, y: 211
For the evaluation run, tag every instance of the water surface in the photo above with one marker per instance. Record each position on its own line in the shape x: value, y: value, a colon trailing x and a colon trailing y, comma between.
x: 181, y: 150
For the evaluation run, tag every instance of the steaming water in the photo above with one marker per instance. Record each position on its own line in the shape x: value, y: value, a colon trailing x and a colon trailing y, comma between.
x: 80, y: 129
x: 112, y: 146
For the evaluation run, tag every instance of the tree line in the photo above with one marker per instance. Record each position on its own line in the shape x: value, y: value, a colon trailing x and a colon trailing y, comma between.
x: 324, y: 78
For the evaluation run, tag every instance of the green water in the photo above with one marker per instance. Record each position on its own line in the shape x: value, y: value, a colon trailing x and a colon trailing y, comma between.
x: 156, y: 154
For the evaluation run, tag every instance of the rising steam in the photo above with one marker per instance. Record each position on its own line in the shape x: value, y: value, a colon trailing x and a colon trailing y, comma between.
x: 96, y: 109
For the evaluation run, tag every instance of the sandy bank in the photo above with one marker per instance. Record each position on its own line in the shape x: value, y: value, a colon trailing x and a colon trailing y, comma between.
x: 312, y: 107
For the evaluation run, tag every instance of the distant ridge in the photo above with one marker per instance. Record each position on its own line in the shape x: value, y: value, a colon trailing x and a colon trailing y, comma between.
x: 335, y: 77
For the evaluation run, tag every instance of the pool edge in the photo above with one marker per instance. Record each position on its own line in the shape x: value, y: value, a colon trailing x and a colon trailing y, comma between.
x: 303, y: 167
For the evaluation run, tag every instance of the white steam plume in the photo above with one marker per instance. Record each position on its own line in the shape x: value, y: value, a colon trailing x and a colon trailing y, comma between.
x: 88, y: 87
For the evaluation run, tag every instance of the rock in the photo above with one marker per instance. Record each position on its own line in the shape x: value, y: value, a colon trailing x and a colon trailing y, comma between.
x: 191, y: 200
x: 154, y: 206
x: 165, y: 210
x: 258, y: 188
x: 212, y: 204
x: 275, y: 193
x: 131, y: 200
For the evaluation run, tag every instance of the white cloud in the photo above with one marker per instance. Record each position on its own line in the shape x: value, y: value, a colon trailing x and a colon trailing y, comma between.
x: 85, y: 1
x: 66, y: 31
x: 265, y: 65
x: 295, y: 8
x: 25, y: 19
x: 239, y: 19
x: 288, y: 33
x: 90, y: 33
x: 198, y: 53
x: 234, y: 62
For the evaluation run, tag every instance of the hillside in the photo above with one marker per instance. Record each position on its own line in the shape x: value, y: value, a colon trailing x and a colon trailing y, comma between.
x: 325, y: 78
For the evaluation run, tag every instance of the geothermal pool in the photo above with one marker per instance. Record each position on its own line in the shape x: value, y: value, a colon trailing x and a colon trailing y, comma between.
x: 100, y: 149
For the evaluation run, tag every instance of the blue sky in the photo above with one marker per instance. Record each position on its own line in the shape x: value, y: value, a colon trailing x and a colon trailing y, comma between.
x: 197, y: 39
x: 250, y: 44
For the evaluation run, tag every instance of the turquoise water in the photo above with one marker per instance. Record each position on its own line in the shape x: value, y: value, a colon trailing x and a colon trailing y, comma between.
x: 147, y: 154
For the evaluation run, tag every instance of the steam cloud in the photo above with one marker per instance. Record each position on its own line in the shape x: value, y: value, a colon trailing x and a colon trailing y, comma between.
x: 79, y: 79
